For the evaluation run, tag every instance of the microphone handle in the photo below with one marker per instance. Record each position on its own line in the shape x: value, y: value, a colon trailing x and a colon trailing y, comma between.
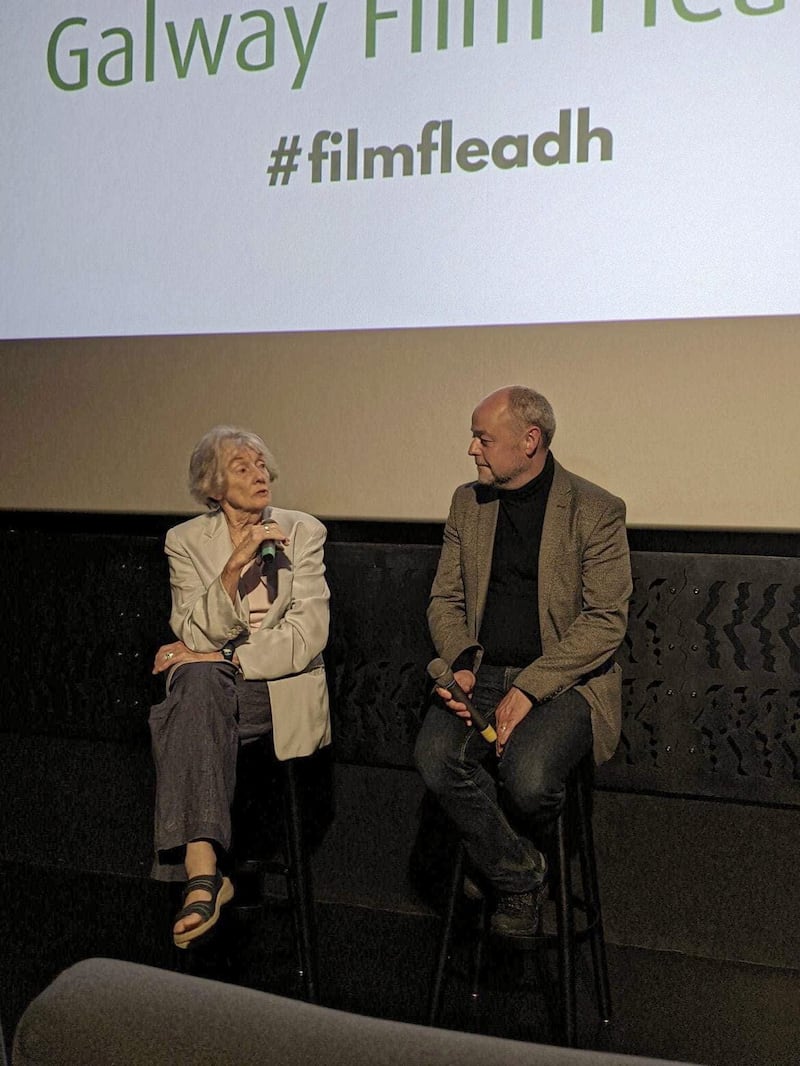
x: 486, y: 729
x: 267, y: 546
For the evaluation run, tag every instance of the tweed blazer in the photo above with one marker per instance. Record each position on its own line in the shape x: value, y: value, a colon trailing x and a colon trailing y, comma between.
x: 584, y: 588
x: 285, y: 651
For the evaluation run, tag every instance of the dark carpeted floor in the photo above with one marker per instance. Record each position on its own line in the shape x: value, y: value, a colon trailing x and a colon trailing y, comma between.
x: 378, y: 962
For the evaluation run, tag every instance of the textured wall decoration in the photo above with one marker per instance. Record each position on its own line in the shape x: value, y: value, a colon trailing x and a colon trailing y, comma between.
x: 711, y: 661
x: 84, y: 616
x: 379, y: 648
x: 711, y: 667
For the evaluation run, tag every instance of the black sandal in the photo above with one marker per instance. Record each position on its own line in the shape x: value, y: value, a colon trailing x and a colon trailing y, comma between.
x: 221, y: 891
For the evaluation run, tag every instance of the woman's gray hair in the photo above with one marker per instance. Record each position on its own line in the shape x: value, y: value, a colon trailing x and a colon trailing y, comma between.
x: 530, y: 408
x: 206, y: 470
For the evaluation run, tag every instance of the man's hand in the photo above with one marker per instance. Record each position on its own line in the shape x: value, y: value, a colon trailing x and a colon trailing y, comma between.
x: 466, y: 680
x: 511, y: 709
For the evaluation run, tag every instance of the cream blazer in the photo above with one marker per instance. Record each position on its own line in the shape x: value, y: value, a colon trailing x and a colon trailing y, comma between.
x: 285, y: 650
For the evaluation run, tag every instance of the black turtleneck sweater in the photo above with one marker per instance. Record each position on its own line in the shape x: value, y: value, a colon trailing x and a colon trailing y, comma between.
x: 510, y: 632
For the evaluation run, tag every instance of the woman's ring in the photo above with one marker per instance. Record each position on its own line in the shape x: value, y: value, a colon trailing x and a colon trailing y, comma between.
x: 169, y: 654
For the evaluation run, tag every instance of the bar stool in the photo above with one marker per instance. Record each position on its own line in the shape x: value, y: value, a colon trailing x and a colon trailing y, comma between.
x: 290, y: 862
x: 573, y: 831
x: 256, y: 856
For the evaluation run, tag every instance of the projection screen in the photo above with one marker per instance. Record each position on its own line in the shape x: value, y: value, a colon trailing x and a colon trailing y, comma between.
x: 190, y: 166
x: 341, y: 223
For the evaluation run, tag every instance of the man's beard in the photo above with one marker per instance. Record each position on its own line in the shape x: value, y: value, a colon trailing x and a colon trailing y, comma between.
x: 501, y: 480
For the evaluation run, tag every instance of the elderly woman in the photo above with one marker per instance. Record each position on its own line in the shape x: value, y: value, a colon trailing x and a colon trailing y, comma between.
x: 250, y: 611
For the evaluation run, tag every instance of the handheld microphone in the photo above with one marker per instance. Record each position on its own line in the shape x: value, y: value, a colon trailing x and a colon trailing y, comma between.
x: 267, y: 546
x: 442, y: 675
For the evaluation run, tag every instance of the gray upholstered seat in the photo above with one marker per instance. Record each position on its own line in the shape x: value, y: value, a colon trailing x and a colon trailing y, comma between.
x: 103, y: 1011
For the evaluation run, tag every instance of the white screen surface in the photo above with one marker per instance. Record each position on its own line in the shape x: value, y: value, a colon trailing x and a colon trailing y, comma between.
x: 579, y: 160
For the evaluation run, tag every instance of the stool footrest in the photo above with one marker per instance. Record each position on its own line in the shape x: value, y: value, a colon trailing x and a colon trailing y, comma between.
x: 568, y: 904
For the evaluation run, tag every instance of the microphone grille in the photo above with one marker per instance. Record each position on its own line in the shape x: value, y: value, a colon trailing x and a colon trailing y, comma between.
x: 439, y: 671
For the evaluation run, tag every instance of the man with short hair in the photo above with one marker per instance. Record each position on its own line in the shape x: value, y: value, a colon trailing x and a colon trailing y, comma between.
x: 529, y: 605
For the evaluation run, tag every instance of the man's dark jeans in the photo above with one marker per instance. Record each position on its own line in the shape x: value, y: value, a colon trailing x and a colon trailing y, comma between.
x: 492, y: 801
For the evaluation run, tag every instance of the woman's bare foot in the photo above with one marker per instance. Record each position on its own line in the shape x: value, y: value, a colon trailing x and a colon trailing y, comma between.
x: 201, y: 860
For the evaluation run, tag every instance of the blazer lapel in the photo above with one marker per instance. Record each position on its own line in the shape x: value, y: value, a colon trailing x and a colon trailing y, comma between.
x: 217, y: 546
x: 486, y: 527
x: 553, y: 531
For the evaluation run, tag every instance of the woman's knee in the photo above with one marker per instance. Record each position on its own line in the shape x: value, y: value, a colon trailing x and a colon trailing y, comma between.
x: 202, y: 692
x: 201, y: 680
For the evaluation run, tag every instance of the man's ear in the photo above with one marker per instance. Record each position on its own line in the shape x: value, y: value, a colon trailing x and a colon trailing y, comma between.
x: 533, y: 438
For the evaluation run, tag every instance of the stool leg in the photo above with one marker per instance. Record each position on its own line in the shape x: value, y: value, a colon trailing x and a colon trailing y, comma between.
x: 480, y: 948
x: 591, y: 891
x: 299, y: 880
x: 565, y: 919
x: 456, y: 882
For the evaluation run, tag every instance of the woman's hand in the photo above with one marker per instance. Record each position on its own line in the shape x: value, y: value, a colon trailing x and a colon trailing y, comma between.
x: 249, y: 541
x: 176, y: 654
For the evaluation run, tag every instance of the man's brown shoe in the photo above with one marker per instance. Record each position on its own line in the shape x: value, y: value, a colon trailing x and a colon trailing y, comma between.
x: 518, y: 913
